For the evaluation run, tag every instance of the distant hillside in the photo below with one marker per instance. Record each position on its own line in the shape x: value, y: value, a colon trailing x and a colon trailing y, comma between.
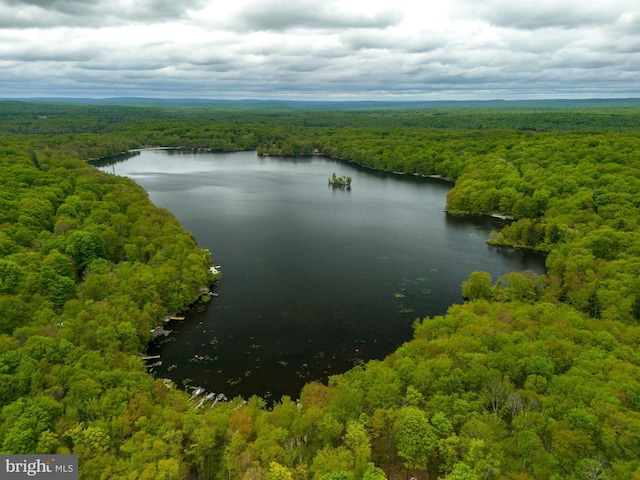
x: 351, y: 105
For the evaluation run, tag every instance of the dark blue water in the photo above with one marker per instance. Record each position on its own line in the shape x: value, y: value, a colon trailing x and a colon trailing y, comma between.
x: 316, y: 279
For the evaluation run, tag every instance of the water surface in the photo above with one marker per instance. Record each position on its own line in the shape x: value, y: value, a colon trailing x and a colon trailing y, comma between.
x: 316, y: 279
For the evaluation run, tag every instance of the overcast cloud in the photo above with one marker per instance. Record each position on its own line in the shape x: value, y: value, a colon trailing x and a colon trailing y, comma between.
x: 320, y: 50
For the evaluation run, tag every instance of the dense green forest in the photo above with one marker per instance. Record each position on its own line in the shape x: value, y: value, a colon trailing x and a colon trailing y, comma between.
x: 530, y: 377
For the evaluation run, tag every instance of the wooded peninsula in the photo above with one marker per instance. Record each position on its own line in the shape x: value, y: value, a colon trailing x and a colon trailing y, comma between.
x: 529, y: 377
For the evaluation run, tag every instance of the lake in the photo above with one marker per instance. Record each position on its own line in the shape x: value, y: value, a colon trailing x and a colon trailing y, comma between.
x: 316, y: 279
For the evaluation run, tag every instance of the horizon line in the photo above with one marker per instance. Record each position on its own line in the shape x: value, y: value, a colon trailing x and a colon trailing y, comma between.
x: 280, y: 100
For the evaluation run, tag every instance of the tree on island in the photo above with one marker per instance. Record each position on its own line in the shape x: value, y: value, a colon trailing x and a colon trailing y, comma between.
x: 342, y: 182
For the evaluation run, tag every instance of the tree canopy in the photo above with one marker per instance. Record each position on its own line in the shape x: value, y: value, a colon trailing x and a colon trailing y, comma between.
x: 529, y: 377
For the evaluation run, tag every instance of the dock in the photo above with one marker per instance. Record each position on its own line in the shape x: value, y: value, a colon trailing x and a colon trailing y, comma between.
x: 158, y: 331
x: 208, y: 396
x: 197, y: 391
x: 221, y: 397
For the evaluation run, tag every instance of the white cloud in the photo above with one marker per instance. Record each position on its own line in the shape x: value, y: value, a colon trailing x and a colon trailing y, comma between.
x: 319, y: 49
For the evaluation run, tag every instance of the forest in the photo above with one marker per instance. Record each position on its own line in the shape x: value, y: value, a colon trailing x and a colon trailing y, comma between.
x: 528, y: 377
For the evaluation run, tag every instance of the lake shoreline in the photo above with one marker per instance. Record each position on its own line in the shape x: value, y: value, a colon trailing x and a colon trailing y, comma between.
x: 298, y: 328
x: 437, y: 177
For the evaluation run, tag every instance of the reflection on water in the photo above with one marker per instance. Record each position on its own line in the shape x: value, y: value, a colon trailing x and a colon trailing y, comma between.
x: 315, y: 279
x: 108, y: 163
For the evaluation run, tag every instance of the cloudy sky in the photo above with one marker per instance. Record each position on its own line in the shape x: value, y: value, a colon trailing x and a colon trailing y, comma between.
x: 320, y: 49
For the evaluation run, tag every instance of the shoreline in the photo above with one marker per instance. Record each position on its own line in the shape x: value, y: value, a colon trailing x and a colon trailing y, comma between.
x: 431, y: 176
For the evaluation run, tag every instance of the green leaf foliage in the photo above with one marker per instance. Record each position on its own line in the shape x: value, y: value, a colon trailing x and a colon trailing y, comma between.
x: 533, y: 377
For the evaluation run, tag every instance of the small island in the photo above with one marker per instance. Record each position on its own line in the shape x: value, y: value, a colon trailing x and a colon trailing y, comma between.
x: 340, y: 182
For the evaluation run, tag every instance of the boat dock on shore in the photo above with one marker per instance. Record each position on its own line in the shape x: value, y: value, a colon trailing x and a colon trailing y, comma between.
x: 197, y: 391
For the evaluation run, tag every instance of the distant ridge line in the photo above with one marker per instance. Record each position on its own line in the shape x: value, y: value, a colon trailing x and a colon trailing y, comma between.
x: 345, y: 104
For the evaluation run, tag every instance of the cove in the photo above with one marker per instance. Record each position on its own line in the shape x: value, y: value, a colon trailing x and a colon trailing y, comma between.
x: 316, y: 279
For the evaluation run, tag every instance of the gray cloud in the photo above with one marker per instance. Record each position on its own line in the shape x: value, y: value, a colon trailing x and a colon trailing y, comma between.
x: 566, y: 14
x: 69, y: 7
x: 283, y: 15
x: 56, y: 13
x: 393, y: 40
x: 312, y: 49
